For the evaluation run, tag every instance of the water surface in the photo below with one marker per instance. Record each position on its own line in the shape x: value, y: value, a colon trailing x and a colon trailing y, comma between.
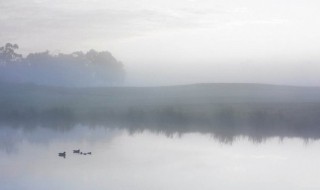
x: 148, y: 160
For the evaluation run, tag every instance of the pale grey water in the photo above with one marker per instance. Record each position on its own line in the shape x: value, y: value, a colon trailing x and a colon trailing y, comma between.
x: 145, y: 160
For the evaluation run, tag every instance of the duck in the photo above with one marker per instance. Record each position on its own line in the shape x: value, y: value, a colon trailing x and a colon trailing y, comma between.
x: 89, y: 153
x: 63, y: 154
x: 76, y: 151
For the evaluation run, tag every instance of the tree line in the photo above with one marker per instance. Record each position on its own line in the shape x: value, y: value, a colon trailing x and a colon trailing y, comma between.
x: 91, y: 68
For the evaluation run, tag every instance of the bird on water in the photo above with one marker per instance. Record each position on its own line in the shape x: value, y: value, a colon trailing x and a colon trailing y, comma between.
x: 63, y: 154
x: 76, y: 151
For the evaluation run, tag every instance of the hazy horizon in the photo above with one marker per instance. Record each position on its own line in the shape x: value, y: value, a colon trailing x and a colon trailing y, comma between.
x: 178, y: 42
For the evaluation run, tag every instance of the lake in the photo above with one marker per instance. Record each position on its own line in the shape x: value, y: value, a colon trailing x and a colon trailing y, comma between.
x: 203, y: 136
x: 126, y: 159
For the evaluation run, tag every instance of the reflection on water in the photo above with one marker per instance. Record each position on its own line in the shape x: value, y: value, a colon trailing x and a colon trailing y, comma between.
x: 122, y: 159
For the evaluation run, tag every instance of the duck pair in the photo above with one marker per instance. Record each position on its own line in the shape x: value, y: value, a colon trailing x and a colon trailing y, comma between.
x: 83, y: 153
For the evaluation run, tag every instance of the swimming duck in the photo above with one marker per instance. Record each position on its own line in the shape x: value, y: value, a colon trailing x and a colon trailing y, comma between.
x: 63, y: 154
x: 76, y: 151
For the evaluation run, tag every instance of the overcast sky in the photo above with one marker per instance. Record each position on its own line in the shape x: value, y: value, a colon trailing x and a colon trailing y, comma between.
x: 165, y: 42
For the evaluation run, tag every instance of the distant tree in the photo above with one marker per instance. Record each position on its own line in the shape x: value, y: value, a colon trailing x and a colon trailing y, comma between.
x: 8, y: 54
x: 38, y: 58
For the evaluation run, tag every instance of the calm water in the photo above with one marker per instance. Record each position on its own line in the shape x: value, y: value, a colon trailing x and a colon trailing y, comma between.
x: 123, y: 160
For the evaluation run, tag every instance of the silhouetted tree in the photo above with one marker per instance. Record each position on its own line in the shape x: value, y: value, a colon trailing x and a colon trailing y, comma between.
x: 8, y: 54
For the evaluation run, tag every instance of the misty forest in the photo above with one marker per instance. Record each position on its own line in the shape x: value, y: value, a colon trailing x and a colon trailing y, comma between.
x: 159, y: 95
x: 74, y: 70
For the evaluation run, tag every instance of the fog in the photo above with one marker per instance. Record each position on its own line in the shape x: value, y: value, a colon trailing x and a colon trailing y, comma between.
x: 178, y: 42
x: 164, y: 94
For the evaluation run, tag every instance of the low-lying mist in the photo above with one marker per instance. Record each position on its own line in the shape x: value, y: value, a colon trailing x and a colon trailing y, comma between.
x: 224, y: 110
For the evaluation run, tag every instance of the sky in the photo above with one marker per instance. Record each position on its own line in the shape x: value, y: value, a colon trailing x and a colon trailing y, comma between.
x: 168, y: 42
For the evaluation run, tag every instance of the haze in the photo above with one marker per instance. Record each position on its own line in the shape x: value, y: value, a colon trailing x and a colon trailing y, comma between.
x: 163, y: 42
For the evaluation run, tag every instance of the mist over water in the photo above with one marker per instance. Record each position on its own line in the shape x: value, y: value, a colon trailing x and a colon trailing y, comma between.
x: 142, y: 160
x: 225, y: 110
x: 217, y: 136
